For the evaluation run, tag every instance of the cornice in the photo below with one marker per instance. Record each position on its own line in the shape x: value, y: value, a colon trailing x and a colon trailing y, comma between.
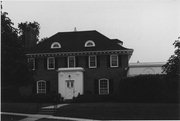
x: 128, y: 52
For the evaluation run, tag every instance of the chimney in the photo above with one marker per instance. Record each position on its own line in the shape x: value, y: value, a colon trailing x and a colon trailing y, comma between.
x: 30, y: 38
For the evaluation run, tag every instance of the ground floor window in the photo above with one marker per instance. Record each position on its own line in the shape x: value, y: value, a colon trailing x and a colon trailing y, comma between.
x: 103, y: 86
x: 41, y: 86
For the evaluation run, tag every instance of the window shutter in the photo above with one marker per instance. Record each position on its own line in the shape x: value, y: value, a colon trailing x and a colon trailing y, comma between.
x: 76, y: 60
x: 98, y: 61
x: 34, y: 87
x: 87, y: 61
x: 119, y: 59
x: 66, y: 61
x: 36, y: 63
x: 45, y: 63
x: 96, y: 86
x: 111, y: 86
x: 56, y: 63
x: 108, y: 61
x: 47, y: 87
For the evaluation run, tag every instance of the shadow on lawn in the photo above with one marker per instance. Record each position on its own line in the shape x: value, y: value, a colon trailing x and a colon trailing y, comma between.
x: 110, y: 111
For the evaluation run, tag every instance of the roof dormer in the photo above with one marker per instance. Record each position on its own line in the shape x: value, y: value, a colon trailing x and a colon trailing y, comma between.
x: 89, y: 43
x: 55, y: 45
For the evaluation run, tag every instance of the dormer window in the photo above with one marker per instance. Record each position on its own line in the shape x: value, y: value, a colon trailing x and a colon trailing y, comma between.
x: 55, y: 45
x: 89, y: 43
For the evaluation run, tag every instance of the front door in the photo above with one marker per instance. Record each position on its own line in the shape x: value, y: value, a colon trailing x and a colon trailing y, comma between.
x: 69, y: 89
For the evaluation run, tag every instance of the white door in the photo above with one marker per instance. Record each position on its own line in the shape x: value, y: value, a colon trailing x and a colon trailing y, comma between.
x: 69, y: 89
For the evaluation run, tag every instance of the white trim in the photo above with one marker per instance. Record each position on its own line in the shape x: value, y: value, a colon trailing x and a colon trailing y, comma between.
x: 48, y: 63
x: 55, y: 43
x: 33, y: 62
x: 95, y: 61
x: 37, y: 87
x: 74, y: 61
x: 89, y: 41
x: 116, y: 60
x: 83, y: 53
x: 107, y: 86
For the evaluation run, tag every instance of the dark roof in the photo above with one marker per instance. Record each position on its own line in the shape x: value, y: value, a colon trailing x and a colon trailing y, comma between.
x: 75, y: 41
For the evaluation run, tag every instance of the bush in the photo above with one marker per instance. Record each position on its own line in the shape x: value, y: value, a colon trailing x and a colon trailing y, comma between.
x: 149, y: 88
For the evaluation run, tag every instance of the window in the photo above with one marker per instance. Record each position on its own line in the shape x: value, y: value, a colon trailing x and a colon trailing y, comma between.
x: 89, y: 43
x: 50, y: 63
x: 71, y: 61
x: 31, y: 63
x: 114, y: 60
x: 55, y: 45
x: 70, y: 83
x: 103, y: 86
x: 41, y: 86
x: 92, y: 61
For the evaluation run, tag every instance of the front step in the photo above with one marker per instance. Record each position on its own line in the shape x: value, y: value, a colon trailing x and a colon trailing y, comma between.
x: 47, y: 111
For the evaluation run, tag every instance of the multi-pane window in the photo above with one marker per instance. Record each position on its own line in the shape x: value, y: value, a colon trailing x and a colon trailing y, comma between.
x: 114, y: 60
x: 55, y: 45
x: 103, y: 86
x: 92, y: 61
x: 41, y: 86
x: 50, y: 63
x: 71, y: 61
x: 89, y: 43
x: 31, y: 63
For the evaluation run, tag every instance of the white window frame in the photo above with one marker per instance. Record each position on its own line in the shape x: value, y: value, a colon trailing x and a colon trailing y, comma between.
x: 69, y: 61
x: 100, y: 93
x: 40, y: 90
x: 89, y: 41
x: 116, y: 61
x: 33, y: 59
x: 55, y: 43
x: 90, y: 62
x: 48, y: 63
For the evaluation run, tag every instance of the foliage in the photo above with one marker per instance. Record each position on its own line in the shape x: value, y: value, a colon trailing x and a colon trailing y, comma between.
x: 14, y: 68
x: 172, y: 66
x: 26, y: 26
x: 149, y: 88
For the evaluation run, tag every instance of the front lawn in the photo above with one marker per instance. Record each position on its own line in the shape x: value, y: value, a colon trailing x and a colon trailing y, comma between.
x: 11, y: 117
x: 109, y: 111
x: 31, y: 108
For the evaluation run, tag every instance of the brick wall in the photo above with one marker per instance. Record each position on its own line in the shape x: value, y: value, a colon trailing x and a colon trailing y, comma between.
x: 91, y: 75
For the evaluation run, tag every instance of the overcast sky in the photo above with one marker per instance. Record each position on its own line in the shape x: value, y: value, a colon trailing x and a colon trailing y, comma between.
x: 148, y: 26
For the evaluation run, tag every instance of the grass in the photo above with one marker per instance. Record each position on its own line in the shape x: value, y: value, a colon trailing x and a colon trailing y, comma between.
x: 109, y: 111
x: 31, y: 108
x: 11, y: 118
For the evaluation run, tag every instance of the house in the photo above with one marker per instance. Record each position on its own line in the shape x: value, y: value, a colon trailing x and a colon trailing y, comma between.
x: 145, y: 68
x: 77, y: 63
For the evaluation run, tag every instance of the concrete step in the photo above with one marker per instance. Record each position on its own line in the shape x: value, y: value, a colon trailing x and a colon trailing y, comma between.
x: 47, y: 111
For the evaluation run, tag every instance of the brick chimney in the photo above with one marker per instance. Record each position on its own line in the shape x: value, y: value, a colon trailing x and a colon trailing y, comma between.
x: 30, y: 38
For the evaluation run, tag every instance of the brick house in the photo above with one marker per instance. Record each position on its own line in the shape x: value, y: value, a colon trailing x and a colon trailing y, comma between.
x: 78, y: 63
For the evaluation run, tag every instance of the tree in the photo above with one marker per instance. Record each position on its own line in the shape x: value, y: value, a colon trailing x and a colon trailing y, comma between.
x: 23, y: 27
x: 13, y: 60
x: 172, y: 67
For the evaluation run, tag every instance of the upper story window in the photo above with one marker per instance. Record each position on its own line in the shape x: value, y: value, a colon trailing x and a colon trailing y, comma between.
x: 41, y: 86
x: 31, y: 63
x: 50, y: 63
x: 103, y: 86
x: 55, y: 45
x: 71, y: 61
x: 92, y: 61
x: 114, y: 61
x: 89, y: 43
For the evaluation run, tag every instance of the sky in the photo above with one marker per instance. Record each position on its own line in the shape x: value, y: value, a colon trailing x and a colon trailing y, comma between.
x: 148, y: 26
